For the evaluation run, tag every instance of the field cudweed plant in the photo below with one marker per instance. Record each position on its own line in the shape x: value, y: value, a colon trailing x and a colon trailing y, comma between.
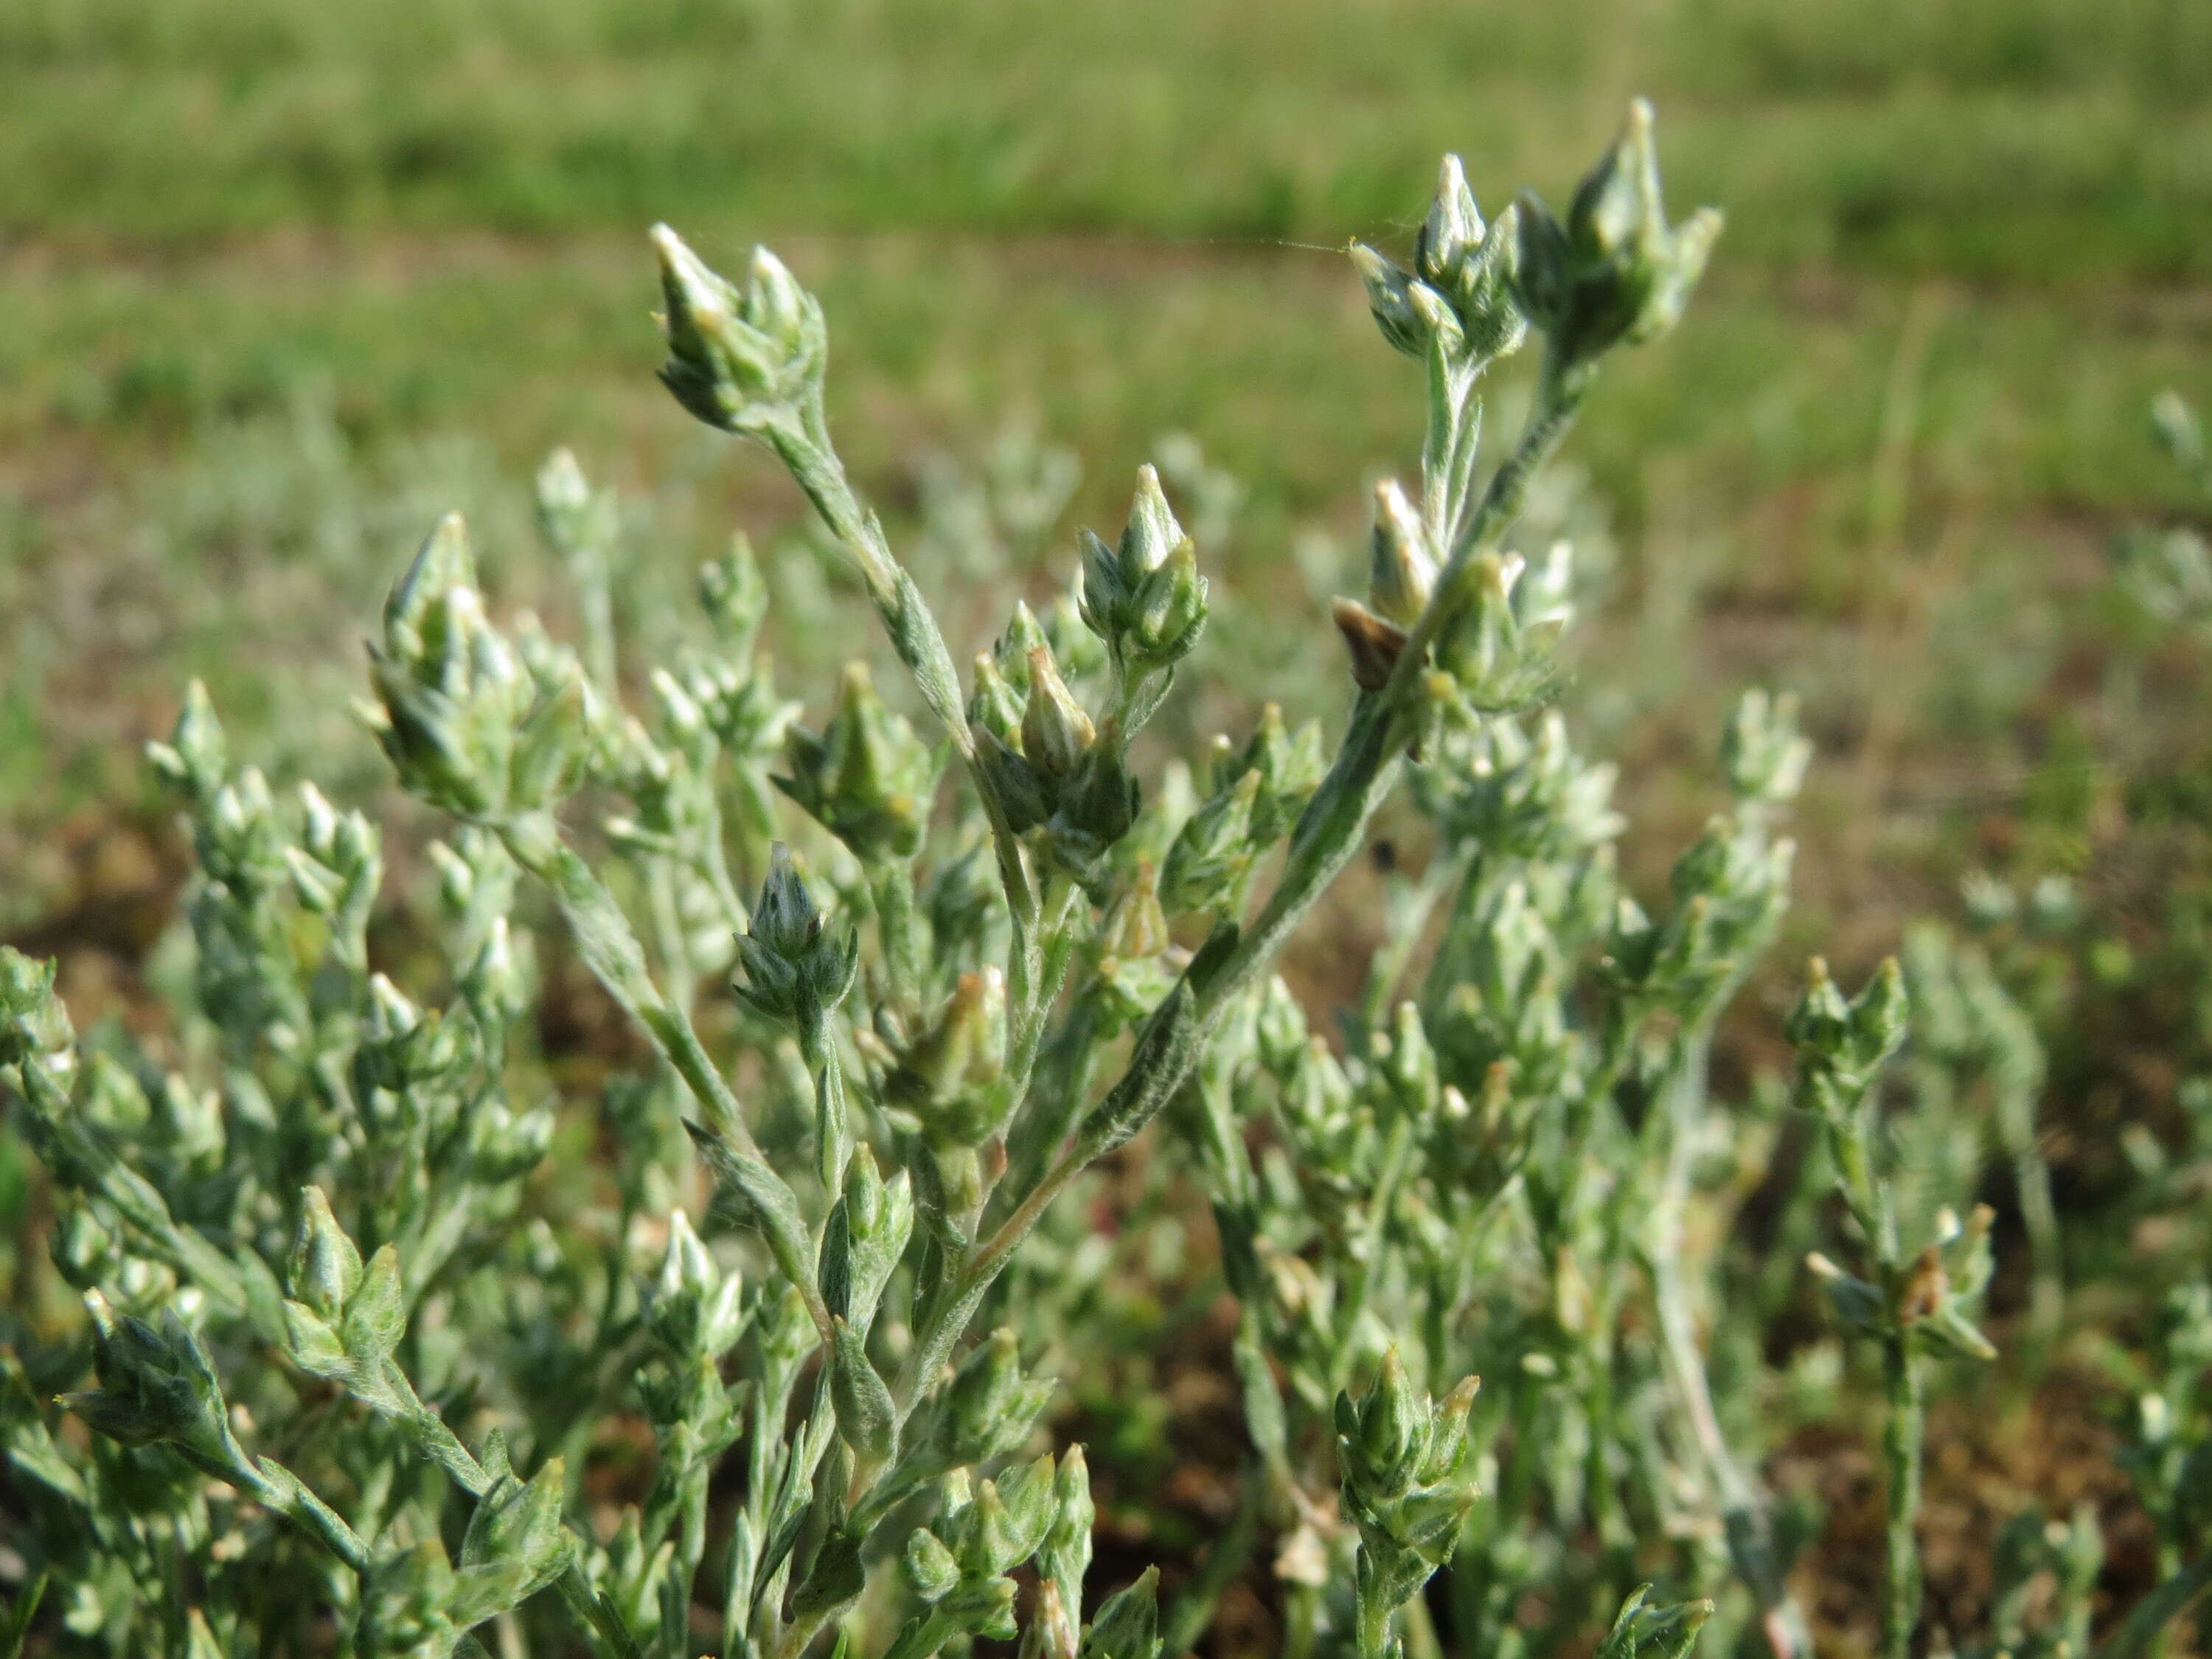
x: 398, y: 1339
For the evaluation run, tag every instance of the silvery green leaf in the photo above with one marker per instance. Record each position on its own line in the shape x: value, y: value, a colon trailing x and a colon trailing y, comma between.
x: 866, y: 1417
x: 1642, y: 1632
x: 376, y: 1313
x: 1128, y: 1622
x: 836, y: 1578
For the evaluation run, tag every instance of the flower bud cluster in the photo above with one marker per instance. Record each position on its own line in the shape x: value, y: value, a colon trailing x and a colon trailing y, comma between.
x: 1729, y: 888
x: 35, y: 1027
x: 1841, y: 1045
x: 1458, y: 296
x: 420, y: 1603
x: 1963, y: 1016
x: 866, y: 1236
x: 1615, y: 271
x: 1762, y: 752
x: 195, y: 759
x: 793, y: 967
x: 337, y: 863
x: 1644, y: 1632
x: 1491, y: 783
x: 1050, y: 767
x: 1508, y: 1004
x: 579, y: 522
x: 158, y: 1386
x: 745, y: 359
x: 467, y: 725
x: 1500, y: 654
x: 734, y: 596
x: 1128, y: 1622
x: 1258, y: 791
x: 1144, y: 597
x: 960, y: 1567
x: 1929, y: 1299
x: 867, y: 779
x: 1924, y: 1299
x: 1134, y: 964
x: 405, y: 1048
x: 344, y: 1318
x: 1402, y: 568
x: 1409, y: 1483
x: 668, y: 772
x: 985, y: 1411
x: 693, y: 1307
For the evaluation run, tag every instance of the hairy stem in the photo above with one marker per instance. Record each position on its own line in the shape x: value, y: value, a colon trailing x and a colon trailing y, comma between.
x: 1328, y: 832
x: 806, y: 452
x: 611, y: 949
x: 1744, y: 1519
x: 1902, y: 1438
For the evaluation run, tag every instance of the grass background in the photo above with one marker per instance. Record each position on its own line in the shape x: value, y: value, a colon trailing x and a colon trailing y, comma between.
x: 283, y: 279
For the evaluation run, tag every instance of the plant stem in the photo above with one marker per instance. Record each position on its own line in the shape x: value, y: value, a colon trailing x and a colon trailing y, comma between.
x: 1396, y: 1155
x: 807, y: 453
x: 278, y: 1488
x: 1328, y: 832
x: 1744, y: 1521
x: 1902, y: 1439
x: 609, y: 947
x: 1371, y: 1636
x: 891, y: 884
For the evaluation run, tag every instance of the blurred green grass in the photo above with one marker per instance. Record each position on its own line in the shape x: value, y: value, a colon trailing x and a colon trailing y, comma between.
x: 2002, y: 138
x: 424, y: 220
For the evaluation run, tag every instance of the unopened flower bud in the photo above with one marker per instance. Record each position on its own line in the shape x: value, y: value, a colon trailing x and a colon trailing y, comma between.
x: 1065, y: 1555
x: 1615, y: 270
x: 946, y: 1075
x: 156, y: 1385
x: 1452, y: 230
x: 784, y: 920
x: 1011, y: 651
x: 196, y: 757
x: 1390, y: 297
x: 1056, y: 733
x: 744, y: 359
x: 326, y: 1267
x: 1374, y: 643
x: 580, y: 523
x: 1763, y: 755
x: 1652, y: 1632
x: 1152, y: 533
x: 33, y: 1024
x: 518, y: 1527
x: 928, y: 1567
x: 1214, y: 851
x: 1402, y: 571
x: 989, y: 1407
x: 1135, y: 926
